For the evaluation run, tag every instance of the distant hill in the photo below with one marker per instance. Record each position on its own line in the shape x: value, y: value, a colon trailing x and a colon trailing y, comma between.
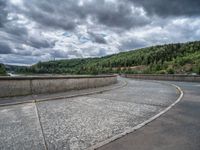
x: 2, y: 70
x: 14, y: 68
x: 180, y: 58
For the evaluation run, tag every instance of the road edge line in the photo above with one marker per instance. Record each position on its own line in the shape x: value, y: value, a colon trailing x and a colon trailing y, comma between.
x: 143, y: 123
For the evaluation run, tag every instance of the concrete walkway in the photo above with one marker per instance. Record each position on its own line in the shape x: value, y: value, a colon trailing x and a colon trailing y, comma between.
x: 81, y: 122
x: 178, y: 129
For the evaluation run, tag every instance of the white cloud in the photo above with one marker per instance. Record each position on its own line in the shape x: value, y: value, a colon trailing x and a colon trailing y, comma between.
x: 32, y: 31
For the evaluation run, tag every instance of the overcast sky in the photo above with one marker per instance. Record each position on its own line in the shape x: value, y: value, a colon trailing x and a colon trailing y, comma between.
x: 41, y: 30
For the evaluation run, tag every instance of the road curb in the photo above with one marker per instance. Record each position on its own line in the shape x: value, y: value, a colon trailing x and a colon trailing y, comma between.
x: 143, y: 123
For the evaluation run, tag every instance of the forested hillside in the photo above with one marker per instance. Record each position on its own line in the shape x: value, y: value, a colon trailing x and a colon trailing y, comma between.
x: 2, y: 70
x: 178, y: 58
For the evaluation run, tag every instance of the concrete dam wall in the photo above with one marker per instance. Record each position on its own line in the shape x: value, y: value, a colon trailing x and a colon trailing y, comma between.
x: 20, y: 86
x: 187, y: 78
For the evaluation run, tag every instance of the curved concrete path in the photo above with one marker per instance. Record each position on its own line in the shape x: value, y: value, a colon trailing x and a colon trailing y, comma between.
x: 84, y: 121
x: 178, y: 129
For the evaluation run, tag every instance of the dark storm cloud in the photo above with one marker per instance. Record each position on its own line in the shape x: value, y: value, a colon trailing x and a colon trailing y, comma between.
x: 5, y: 48
x: 3, y: 13
x: 69, y: 13
x: 116, y: 14
x: 14, y: 35
x: 167, y: 8
x: 32, y: 30
x: 40, y: 43
x: 15, y: 30
x: 98, y: 38
x: 51, y: 13
x: 18, y: 36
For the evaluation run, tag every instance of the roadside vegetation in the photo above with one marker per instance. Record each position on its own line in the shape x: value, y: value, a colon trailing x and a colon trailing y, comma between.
x: 2, y: 70
x: 180, y: 58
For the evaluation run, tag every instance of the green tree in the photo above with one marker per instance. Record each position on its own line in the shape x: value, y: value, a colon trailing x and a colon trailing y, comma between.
x: 2, y: 69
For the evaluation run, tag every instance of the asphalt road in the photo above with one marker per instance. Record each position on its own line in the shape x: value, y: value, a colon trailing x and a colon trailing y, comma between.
x: 178, y: 129
x: 81, y: 122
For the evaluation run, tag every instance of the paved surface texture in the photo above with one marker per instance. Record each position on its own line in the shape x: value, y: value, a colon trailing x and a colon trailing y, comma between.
x: 178, y: 129
x: 81, y: 122
x: 20, y: 128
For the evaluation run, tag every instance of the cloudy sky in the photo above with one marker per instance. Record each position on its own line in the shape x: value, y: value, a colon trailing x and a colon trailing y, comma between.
x: 42, y: 30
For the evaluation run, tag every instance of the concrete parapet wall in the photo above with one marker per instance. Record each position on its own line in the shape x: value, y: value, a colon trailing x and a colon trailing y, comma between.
x: 187, y: 78
x: 19, y: 86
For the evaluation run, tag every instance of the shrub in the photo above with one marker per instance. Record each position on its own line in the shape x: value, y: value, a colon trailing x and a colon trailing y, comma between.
x: 170, y: 70
x: 2, y: 69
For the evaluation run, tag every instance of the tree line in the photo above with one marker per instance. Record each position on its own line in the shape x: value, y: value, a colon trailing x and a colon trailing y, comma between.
x: 2, y: 70
x: 162, y: 59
